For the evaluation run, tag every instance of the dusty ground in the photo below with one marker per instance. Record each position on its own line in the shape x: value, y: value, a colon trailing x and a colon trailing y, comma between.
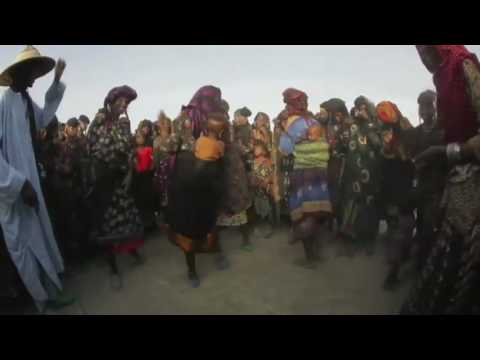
x: 263, y: 282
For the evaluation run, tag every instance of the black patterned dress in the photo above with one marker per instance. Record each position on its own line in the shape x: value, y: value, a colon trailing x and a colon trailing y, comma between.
x: 118, y: 220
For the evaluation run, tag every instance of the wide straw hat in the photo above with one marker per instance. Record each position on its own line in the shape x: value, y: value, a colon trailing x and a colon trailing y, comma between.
x: 30, y: 56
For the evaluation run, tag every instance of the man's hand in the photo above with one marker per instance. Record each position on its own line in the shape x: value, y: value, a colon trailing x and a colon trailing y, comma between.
x: 59, y: 69
x: 29, y: 196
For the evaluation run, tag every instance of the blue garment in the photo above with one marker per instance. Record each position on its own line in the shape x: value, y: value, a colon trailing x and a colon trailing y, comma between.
x: 295, y: 133
x: 308, y: 187
x: 28, y: 234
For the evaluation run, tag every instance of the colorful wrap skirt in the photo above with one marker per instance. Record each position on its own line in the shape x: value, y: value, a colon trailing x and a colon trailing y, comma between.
x: 309, y: 193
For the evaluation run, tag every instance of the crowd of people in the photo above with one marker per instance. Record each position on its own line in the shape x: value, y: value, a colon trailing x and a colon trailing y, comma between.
x: 72, y: 191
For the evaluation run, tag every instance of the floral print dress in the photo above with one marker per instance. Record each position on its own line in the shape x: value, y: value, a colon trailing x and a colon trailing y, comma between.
x: 110, y: 147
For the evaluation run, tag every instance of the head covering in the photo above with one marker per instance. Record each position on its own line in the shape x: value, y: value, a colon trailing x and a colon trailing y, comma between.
x: 296, y: 102
x: 453, y: 104
x: 244, y: 111
x: 120, y: 91
x: 363, y: 100
x: 427, y: 97
x: 84, y: 119
x: 225, y: 106
x: 388, y: 112
x: 30, y: 56
x: 73, y: 122
x: 335, y: 105
x: 206, y: 100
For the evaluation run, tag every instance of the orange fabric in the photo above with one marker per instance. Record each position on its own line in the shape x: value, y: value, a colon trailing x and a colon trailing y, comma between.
x: 209, y: 149
x: 388, y: 112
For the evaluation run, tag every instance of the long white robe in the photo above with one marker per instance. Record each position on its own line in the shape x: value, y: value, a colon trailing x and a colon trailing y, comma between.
x: 28, y: 234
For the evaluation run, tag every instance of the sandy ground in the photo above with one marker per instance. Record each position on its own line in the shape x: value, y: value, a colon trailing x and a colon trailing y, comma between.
x: 264, y: 282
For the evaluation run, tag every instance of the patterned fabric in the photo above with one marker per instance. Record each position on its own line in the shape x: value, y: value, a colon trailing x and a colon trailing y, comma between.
x: 207, y: 99
x: 449, y: 282
x: 111, y: 148
x: 109, y: 142
x: 242, y: 135
x: 68, y: 172
x: 309, y: 193
x: 296, y: 103
x: 160, y: 181
x: 361, y: 182
x: 122, y: 216
x: 236, y: 197
x: 234, y: 220
x: 264, y: 136
x: 263, y: 180
x: 182, y: 137
x: 310, y: 155
x: 472, y: 75
x: 163, y: 159
x: 309, y: 186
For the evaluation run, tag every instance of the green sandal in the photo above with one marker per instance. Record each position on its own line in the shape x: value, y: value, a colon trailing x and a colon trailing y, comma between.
x: 60, y: 302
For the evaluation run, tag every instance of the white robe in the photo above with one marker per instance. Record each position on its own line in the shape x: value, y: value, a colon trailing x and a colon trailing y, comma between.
x: 28, y: 235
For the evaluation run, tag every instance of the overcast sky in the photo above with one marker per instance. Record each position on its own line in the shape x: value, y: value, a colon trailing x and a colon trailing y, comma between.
x: 166, y: 77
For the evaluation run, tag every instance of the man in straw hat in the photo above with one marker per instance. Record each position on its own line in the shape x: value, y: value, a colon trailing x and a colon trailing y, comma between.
x: 23, y: 213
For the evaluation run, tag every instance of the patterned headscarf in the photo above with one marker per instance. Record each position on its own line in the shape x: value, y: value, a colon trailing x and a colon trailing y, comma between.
x: 453, y: 104
x: 388, y: 112
x: 335, y: 105
x: 296, y: 102
x: 208, y: 99
x: 120, y: 91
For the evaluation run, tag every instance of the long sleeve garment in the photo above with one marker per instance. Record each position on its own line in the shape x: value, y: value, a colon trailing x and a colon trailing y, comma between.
x: 28, y: 233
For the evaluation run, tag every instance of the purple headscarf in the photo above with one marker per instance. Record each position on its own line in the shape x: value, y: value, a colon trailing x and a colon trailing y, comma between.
x: 207, y: 99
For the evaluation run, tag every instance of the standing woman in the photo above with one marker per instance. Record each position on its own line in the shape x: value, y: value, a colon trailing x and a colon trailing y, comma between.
x: 450, y: 280
x: 360, y: 185
x: 236, y: 198
x: 117, y: 219
x: 163, y: 151
x: 337, y: 115
x: 261, y: 130
x: 147, y: 128
x: 309, y: 200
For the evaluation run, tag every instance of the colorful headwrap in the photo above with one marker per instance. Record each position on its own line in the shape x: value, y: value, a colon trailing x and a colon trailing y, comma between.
x: 120, y: 91
x: 453, y: 104
x: 296, y: 102
x: 207, y: 99
x: 388, y: 113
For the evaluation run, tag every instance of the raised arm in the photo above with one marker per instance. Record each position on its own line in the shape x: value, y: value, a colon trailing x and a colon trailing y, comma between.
x: 53, y: 98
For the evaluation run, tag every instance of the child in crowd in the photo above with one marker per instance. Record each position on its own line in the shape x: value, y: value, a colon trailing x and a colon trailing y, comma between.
x: 163, y: 149
x: 262, y: 184
x: 143, y: 181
